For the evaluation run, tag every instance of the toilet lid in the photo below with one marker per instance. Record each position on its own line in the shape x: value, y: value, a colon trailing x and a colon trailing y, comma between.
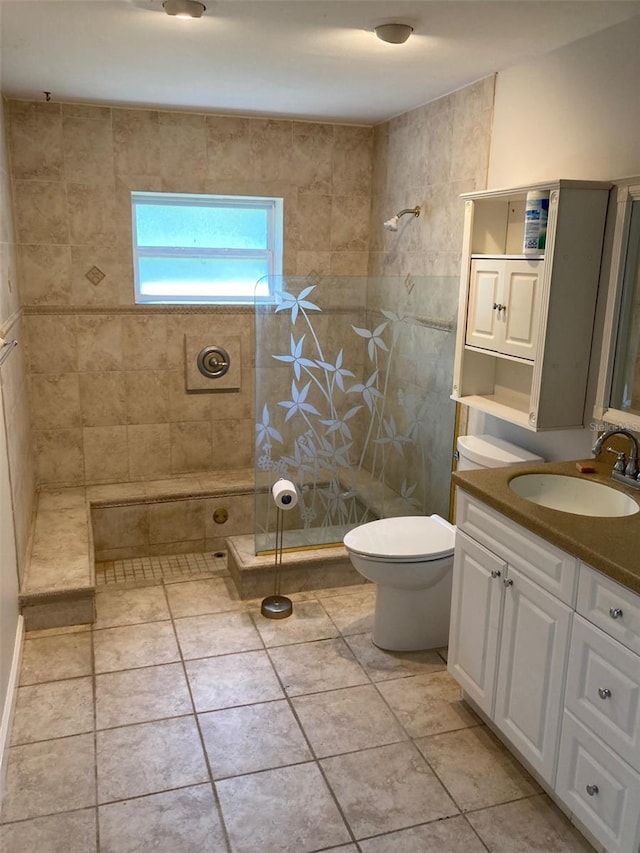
x: 416, y: 537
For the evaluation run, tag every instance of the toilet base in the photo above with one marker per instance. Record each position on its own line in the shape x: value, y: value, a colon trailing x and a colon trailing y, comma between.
x: 409, y: 620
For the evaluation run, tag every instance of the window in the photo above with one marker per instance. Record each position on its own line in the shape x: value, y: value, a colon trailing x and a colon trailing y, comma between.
x: 205, y: 248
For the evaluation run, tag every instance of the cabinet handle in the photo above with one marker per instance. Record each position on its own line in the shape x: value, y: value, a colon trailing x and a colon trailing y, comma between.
x: 615, y: 612
x: 592, y: 790
x: 495, y: 573
x: 497, y: 306
x: 507, y: 582
x: 604, y: 692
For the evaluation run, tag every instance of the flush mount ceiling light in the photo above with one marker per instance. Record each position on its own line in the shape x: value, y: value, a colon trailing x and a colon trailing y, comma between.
x: 394, y: 33
x: 184, y: 8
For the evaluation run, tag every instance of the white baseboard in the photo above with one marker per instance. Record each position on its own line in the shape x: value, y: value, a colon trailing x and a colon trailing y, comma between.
x: 10, y: 702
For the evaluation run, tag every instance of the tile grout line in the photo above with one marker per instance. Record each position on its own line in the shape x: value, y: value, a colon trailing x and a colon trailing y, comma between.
x: 214, y: 791
x: 95, y: 737
x: 316, y: 760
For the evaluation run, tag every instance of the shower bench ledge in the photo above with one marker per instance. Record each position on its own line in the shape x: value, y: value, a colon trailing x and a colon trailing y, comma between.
x: 59, y: 584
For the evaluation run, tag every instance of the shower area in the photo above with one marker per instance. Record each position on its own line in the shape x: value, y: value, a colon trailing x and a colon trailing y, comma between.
x: 353, y: 376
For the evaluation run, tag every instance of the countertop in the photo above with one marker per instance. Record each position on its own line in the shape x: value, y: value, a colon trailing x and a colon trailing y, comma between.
x: 611, y: 545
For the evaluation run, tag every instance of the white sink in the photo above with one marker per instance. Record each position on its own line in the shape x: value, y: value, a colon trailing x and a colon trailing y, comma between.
x: 573, y: 494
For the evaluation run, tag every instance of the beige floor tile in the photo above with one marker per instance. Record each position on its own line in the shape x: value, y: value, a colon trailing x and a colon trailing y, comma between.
x: 39, y: 633
x: 139, y: 695
x: 428, y: 704
x: 532, y: 825
x: 230, y: 680
x: 477, y: 770
x: 288, y: 810
x: 308, y: 622
x: 54, y: 709
x: 216, y: 634
x: 194, y: 598
x: 330, y: 591
x: 55, y: 658
x: 129, y: 606
x: 321, y: 665
x: 382, y: 665
x: 253, y: 737
x: 146, y: 644
x: 386, y: 789
x: 346, y: 720
x: 69, y: 832
x: 183, y: 821
x: 352, y: 613
x: 452, y: 835
x: 148, y: 758
x: 50, y: 776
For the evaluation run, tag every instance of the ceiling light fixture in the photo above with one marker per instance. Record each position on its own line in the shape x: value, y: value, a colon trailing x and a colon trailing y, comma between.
x: 394, y: 33
x: 184, y: 8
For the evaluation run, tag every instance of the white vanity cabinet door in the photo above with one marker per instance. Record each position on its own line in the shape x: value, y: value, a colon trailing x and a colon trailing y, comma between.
x: 476, y: 602
x: 504, y: 306
x: 603, y: 689
x: 613, y: 608
x: 601, y: 790
x: 533, y: 654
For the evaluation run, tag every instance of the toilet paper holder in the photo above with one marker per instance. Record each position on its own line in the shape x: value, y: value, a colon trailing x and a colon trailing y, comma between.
x: 213, y: 362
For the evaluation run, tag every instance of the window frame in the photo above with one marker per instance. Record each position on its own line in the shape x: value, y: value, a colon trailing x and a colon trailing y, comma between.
x: 272, y: 205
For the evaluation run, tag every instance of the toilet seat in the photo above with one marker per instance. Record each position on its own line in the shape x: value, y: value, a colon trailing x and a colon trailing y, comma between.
x: 414, y: 538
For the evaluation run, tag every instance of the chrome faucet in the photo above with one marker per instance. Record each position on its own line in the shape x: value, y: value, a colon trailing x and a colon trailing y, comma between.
x: 624, y: 471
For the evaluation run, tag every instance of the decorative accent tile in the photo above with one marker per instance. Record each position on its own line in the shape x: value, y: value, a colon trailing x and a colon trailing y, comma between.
x: 95, y: 275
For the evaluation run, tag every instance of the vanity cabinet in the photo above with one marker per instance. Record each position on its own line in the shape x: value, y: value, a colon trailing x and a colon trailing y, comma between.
x: 548, y: 649
x: 509, y: 633
x: 599, y: 764
x: 525, y: 321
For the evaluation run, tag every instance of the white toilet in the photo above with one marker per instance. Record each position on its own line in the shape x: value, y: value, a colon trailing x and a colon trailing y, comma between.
x: 410, y: 558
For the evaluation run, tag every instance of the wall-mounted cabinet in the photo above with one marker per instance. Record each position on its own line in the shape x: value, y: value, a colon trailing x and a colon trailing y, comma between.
x: 525, y: 320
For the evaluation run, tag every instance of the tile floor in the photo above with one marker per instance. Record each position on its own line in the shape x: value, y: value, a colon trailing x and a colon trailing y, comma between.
x: 185, y: 722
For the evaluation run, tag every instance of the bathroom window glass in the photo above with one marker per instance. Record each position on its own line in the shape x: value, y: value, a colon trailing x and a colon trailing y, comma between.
x: 206, y: 248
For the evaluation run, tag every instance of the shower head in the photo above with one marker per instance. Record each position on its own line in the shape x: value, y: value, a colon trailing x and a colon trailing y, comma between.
x: 392, y: 224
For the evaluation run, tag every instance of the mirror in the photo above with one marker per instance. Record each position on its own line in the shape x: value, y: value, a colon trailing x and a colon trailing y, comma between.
x: 619, y: 382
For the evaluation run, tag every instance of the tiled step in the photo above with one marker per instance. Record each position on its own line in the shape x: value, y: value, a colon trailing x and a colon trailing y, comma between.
x: 59, y: 584
x: 301, y: 570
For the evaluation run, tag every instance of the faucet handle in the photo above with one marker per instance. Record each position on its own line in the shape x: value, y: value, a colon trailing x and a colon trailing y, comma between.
x: 621, y: 460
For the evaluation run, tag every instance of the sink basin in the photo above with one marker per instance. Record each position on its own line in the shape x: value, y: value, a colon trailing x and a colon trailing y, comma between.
x: 573, y: 494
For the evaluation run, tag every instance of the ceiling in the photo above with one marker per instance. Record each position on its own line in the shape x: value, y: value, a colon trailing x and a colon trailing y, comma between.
x: 308, y: 59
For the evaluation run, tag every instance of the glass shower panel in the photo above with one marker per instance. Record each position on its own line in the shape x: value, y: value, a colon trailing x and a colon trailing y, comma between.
x: 353, y: 377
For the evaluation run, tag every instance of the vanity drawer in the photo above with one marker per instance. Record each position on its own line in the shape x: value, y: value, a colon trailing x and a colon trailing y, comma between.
x: 600, y: 599
x: 543, y: 563
x: 603, y: 689
x: 599, y: 787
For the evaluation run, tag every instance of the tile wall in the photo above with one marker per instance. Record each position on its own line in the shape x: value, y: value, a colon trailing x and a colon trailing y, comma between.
x: 426, y: 157
x: 14, y: 372
x: 106, y: 377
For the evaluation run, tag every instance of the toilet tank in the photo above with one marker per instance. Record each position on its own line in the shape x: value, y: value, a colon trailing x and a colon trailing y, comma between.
x: 487, y: 451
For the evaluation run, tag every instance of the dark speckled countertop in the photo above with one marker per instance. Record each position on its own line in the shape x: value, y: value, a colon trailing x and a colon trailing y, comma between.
x: 611, y: 545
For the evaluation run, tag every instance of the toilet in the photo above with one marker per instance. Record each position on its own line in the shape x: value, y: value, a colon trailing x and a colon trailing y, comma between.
x: 410, y: 558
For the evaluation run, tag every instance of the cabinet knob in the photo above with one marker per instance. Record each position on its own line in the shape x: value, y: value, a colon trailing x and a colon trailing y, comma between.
x: 498, y: 306
x: 615, y: 612
x: 507, y: 582
x: 495, y: 573
x: 592, y: 790
x: 604, y: 692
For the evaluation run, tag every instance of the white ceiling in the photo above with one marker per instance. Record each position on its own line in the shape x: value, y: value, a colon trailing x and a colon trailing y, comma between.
x: 308, y: 59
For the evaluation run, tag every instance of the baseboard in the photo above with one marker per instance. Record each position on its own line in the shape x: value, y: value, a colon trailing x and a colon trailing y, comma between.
x: 10, y: 703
